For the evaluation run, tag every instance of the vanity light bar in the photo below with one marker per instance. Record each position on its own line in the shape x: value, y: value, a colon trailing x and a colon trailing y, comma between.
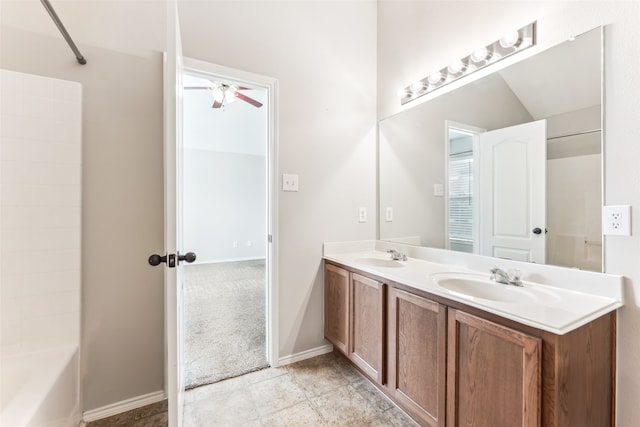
x: 507, y: 45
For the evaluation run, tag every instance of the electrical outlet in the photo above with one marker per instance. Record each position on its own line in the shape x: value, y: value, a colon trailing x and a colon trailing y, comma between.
x: 389, y: 215
x: 616, y: 220
x: 363, y: 215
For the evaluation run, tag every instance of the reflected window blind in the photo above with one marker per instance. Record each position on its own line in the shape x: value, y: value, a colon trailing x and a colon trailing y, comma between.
x: 461, y: 200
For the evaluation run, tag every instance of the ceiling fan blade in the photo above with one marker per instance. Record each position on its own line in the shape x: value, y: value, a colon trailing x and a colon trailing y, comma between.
x: 198, y: 87
x: 216, y: 104
x: 249, y: 100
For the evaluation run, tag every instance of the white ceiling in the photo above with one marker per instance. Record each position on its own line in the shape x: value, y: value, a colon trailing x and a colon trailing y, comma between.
x: 554, y: 81
x: 235, y: 128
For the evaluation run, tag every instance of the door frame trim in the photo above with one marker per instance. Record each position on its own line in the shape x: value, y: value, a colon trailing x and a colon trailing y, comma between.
x: 271, y: 86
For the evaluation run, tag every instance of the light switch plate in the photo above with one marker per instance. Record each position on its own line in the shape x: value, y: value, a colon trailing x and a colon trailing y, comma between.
x: 362, y: 216
x: 438, y: 190
x: 616, y: 220
x: 289, y: 182
x: 389, y: 215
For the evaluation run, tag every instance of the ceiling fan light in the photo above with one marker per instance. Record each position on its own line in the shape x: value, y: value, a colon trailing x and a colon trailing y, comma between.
x: 230, y: 95
x: 218, y: 95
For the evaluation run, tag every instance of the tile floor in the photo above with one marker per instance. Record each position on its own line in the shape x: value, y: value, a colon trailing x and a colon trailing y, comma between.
x: 320, y: 392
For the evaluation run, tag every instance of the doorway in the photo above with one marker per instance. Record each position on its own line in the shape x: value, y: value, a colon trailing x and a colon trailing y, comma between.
x: 227, y: 221
x: 507, y: 168
x: 462, y: 187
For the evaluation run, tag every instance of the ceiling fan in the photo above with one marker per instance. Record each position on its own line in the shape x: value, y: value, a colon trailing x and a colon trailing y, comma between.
x: 223, y: 92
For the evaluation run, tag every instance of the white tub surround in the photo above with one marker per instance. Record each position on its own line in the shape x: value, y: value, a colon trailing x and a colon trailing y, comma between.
x: 40, y: 229
x: 562, y: 299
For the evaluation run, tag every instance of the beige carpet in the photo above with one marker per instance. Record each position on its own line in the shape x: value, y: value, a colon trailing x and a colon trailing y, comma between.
x: 224, y: 321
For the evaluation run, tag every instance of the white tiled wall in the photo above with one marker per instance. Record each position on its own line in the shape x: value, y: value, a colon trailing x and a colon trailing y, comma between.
x: 40, y: 206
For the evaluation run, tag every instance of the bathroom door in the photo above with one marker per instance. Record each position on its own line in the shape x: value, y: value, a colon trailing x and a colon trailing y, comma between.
x: 512, y: 174
x: 174, y: 378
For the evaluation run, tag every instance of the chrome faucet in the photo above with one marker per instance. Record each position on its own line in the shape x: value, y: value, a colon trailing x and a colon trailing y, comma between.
x: 397, y: 255
x: 513, y: 277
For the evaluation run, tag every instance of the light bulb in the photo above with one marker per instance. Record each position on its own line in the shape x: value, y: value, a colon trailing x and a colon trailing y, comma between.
x: 435, y: 78
x: 229, y: 95
x: 480, y: 54
x: 510, y: 39
x: 456, y: 67
x: 417, y: 87
x: 403, y: 92
x: 218, y: 95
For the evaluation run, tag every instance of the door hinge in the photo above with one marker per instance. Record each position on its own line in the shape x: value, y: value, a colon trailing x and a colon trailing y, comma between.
x: 270, y: 238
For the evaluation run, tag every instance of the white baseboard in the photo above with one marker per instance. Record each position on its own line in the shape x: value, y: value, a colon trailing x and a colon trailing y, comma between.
x: 123, y: 406
x: 219, y: 261
x: 308, y: 354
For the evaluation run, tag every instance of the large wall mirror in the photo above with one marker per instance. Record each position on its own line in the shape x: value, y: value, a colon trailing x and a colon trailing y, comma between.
x: 509, y: 165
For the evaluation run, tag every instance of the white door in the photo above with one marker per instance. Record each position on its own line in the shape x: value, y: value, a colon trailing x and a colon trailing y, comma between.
x: 512, y: 168
x: 174, y: 378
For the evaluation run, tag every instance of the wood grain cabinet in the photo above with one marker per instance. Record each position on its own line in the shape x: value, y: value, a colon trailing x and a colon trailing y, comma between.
x: 417, y: 355
x: 354, y: 308
x: 366, y: 348
x: 336, y: 306
x: 493, y: 377
x: 448, y: 364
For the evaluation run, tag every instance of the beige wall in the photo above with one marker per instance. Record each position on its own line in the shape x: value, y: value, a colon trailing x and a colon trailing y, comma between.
x: 405, y: 28
x: 122, y: 218
x: 324, y: 56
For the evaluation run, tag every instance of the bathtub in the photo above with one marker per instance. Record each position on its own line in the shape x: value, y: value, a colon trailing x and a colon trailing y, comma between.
x: 40, y: 389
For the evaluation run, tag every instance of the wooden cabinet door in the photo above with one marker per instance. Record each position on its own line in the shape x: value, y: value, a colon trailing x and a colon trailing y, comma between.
x: 493, y: 376
x: 417, y: 355
x: 367, y: 326
x: 336, y: 307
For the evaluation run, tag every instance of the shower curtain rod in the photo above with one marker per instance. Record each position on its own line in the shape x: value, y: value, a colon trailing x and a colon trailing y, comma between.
x: 575, y: 134
x: 63, y: 30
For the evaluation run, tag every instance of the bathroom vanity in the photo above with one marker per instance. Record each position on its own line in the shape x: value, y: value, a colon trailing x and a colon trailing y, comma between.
x: 451, y: 347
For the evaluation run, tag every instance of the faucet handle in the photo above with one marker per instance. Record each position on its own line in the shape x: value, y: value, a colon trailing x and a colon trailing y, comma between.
x: 515, y: 275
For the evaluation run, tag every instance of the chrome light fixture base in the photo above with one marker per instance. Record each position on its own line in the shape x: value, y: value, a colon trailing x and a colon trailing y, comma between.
x: 509, y: 44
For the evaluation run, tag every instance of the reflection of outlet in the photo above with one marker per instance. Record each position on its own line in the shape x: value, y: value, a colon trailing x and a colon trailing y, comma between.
x: 616, y: 220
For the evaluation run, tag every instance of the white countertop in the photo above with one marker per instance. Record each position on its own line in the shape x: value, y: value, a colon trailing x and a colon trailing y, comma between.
x: 561, y: 299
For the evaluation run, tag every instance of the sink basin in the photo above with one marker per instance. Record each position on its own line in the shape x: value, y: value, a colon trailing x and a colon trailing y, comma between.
x: 475, y: 287
x: 380, y: 262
